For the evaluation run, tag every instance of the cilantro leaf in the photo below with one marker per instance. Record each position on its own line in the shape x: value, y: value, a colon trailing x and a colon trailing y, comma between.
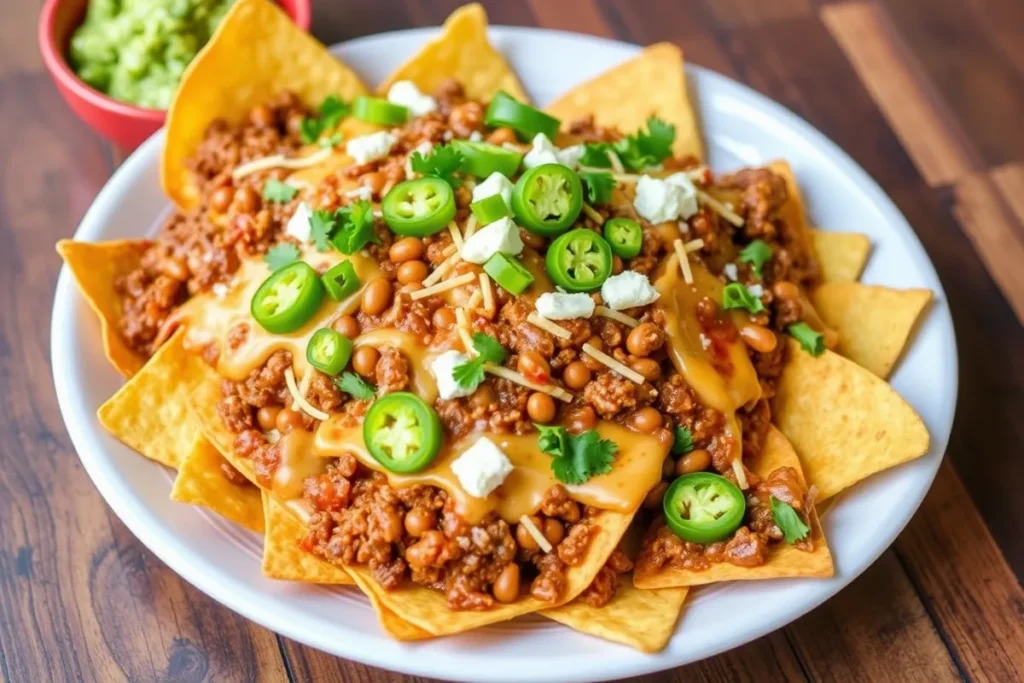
x: 736, y: 295
x: 355, y: 386
x: 576, y: 457
x: 684, y: 440
x: 489, y: 348
x: 276, y: 191
x: 442, y: 162
x: 812, y: 341
x: 596, y: 154
x: 792, y: 527
x: 281, y: 255
x: 354, y: 227
x: 598, y: 186
x: 332, y: 111
x: 309, y: 129
x: 657, y: 141
x: 321, y: 225
x: 756, y: 254
x: 637, y: 151
x: 468, y: 375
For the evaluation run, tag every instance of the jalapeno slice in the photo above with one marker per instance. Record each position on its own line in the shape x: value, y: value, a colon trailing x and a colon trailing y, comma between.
x: 505, y: 110
x: 287, y: 299
x: 489, y: 209
x: 547, y: 199
x: 481, y: 159
x: 379, y: 111
x: 329, y: 351
x: 625, y: 236
x: 579, y: 261
x: 341, y: 281
x: 402, y: 432
x: 703, y: 507
x: 509, y: 273
x: 419, y: 207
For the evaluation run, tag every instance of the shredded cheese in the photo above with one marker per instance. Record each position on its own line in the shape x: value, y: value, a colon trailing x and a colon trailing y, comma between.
x: 617, y: 316
x: 300, y: 400
x: 454, y: 282
x: 613, y: 365
x: 616, y: 162
x: 456, y: 235
x: 280, y: 161
x: 630, y: 178
x: 513, y: 376
x: 535, y: 533
x: 698, y: 174
x: 593, y: 214
x: 485, y: 287
x: 720, y: 208
x: 693, y: 245
x: 443, y: 269
x: 548, y: 326
x: 462, y: 327
x: 741, y: 476
x: 684, y: 261
x: 470, y: 227
x: 474, y: 301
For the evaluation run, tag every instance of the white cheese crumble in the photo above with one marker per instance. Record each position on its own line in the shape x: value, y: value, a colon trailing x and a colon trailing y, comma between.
x: 481, y: 468
x: 443, y: 368
x: 731, y: 271
x: 627, y: 290
x: 670, y: 199
x: 545, y: 152
x: 220, y: 290
x: 406, y: 94
x: 500, y: 236
x: 361, y: 192
x: 476, y: 136
x: 562, y: 306
x: 298, y: 225
x: 496, y: 183
x: 756, y: 290
x: 367, y: 148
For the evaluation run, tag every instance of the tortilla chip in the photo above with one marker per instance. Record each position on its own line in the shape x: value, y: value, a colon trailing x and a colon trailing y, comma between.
x: 462, y: 52
x: 395, y: 626
x: 203, y: 398
x: 96, y: 266
x: 845, y: 422
x: 200, y: 481
x: 150, y: 413
x: 841, y: 255
x: 793, y: 212
x: 642, y: 619
x: 783, y: 560
x: 652, y: 72
x: 428, y: 609
x: 284, y: 559
x: 255, y: 53
x: 874, y: 323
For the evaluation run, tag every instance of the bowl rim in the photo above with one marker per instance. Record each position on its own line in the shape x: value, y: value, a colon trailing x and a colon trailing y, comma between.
x: 57, y: 64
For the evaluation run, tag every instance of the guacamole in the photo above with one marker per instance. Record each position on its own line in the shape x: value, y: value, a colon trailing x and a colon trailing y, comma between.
x: 137, y: 50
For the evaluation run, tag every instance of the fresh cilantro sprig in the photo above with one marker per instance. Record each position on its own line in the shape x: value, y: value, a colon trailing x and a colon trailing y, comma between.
x: 332, y: 111
x: 684, y: 440
x: 355, y: 386
x: 442, y: 162
x: 786, y: 518
x: 576, y: 457
x: 812, y: 341
x: 276, y: 191
x: 736, y: 295
x: 598, y: 186
x: 757, y: 253
x: 321, y: 225
x: 637, y: 151
x: 281, y: 255
x: 348, y: 229
x: 468, y: 375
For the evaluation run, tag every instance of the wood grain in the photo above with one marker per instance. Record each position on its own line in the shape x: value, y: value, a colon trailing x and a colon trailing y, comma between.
x: 926, y: 94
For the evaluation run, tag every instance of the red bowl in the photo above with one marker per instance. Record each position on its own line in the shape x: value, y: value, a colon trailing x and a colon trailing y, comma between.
x: 123, y: 124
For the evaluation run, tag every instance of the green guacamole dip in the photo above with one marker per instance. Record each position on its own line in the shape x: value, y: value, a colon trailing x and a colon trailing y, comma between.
x: 137, y: 50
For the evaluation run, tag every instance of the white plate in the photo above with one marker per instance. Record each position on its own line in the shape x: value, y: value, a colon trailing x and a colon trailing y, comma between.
x: 742, y: 128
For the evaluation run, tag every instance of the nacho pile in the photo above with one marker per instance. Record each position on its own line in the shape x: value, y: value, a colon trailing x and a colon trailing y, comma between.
x: 478, y: 359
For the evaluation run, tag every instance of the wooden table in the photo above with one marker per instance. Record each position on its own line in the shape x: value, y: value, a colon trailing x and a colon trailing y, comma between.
x: 927, y: 95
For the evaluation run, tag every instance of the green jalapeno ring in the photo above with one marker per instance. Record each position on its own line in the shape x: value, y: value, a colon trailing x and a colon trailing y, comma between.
x: 481, y: 159
x: 703, y: 507
x: 505, y: 110
x: 379, y: 111
x: 419, y: 207
x: 287, y: 299
x: 329, y: 351
x: 625, y: 236
x: 341, y: 280
x: 579, y: 261
x: 402, y: 432
x: 547, y: 199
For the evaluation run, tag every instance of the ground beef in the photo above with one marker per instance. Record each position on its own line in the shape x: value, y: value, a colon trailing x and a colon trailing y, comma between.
x: 602, y: 589
x: 392, y: 370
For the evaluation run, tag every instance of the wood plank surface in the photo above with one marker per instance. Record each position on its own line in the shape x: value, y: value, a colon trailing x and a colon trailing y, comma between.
x: 927, y: 94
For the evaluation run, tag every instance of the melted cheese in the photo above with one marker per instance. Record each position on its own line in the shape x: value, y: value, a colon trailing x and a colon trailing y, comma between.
x: 636, y: 469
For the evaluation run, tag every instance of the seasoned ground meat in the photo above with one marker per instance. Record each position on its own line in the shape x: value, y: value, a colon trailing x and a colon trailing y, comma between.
x: 392, y: 370
x: 602, y: 589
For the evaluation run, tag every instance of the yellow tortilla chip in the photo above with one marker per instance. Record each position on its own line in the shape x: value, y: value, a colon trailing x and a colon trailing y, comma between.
x: 783, y: 560
x: 642, y: 619
x: 874, y: 323
x: 200, y: 481
x: 96, y: 266
x: 841, y: 255
x: 428, y: 609
x: 255, y: 53
x: 462, y: 52
x: 654, y: 73
x: 202, y: 401
x: 793, y: 212
x: 845, y: 422
x: 284, y: 559
x: 150, y: 413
